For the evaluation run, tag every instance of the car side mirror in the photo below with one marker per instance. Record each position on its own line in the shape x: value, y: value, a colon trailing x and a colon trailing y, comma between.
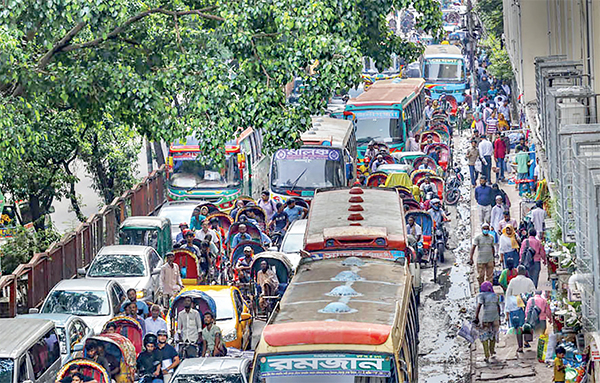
x: 245, y: 317
x: 81, y: 272
x: 33, y: 310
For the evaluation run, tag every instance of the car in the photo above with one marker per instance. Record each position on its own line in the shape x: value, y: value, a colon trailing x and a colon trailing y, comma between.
x: 177, y: 212
x: 233, y: 315
x: 71, y: 330
x: 213, y: 369
x: 132, y: 266
x: 293, y: 241
x: 95, y: 300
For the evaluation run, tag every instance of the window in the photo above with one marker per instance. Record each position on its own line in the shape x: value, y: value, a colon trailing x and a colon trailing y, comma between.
x: 44, y: 353
x: 115, y: 298
x: 77, y: 331
x: 153, y: 260
x: 23, y: 370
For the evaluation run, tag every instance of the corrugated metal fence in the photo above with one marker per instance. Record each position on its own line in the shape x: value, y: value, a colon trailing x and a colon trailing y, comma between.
x: 29, y: 284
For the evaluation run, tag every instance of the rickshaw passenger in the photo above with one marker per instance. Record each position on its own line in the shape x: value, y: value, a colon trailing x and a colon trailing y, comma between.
x: 377, y: 163
x: 428, y: 187
x: 189, y: 243
x: 241, y: 236
x: 111, y: 328
x: 92, y: 353
x: 267, y: 280
x: 170, y: 282
x: 149, y: 362
x: 204, y: 261
x: 114, y: 367
x: 197, y: 219
x: 131, y: 310
x: 206, y: 231
x: 238, y: 205
x: 75, y: 370
x: 183, y: 226
x: 154, y: 322
x: 211, y: 338
x: 414, y: 230
x: 370, y: 153
x: 243, y: 265
x: 142, y: 308
x: 280, y: 220
x: 170, y: 358
x: 189, y: 323
x: 78, y: 378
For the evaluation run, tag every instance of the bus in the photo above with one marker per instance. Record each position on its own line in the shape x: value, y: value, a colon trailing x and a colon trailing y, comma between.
x: 444, y: 71
x: 388, y: 112
x: 191, y: 175
x: 327, y: 158
x: 342, y: 320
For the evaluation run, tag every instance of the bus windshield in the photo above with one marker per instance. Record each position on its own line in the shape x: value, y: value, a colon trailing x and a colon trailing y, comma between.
x: 193, y: 172
x: 330, y: 367
x: 443, y: 69
x: 307, y: 168
x: 377, y: 129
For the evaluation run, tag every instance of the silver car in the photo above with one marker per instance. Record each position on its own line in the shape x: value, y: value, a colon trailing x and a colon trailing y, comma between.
x: 293, y: 241
x: 93, y: 300
x: 211, y: 370
x: 177, y: 212
x: 132, y: 266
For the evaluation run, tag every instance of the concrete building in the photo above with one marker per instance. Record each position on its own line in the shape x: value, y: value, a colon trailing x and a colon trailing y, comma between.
x: 536, y: 28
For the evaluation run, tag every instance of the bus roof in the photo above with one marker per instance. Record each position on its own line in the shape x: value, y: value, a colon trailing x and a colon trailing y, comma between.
x: 382, y: 216
x: 312, y: 302
x: 389, y: 92
x: 334, y: 130
x: 446, y: 51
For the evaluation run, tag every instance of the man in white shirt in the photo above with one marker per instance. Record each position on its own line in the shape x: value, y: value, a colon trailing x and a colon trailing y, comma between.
x: 486, y: 150
x: 515, y: 315
x: 154, y: 322
x: 169, y: 281
x: 497, y: 214
x: 538, y: 215
x: 189, y: 323
x: 200, y: 234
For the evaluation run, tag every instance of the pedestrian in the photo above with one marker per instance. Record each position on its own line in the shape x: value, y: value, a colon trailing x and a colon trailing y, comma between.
x: 504, y: 109
x: 538, y: 312
x: 515, y: 314
x: 522, y: 160
x: 484, y: 243
x: 154, y: 322
x: 559, y: 366
x: 509, y: 246
x: 486, y: 150
x: 472, y: 157
x: 532, y: 255
x: 169, y: 281
x: 484, y: 198
x: 487, y: 316
x: 484, y: 86
x: 478, y: 124
x: 499, y: 192
x: 499, y: 155
x: 503, y: 124
x: 538, y: 215
x: 497, y: 214
x: 492, y: 124
x: 211, y: 338
x: 508, y: 221
x: 267, y: 204
x: 508, y: 274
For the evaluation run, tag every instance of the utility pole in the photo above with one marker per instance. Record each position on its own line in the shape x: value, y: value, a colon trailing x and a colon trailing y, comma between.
x: 472, y: 42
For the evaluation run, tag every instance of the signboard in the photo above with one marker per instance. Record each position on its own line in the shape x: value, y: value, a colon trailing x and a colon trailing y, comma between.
x: 186, y: 156
x: 307, y: 154
x: 325, y: 364
x: 375, y: 114
x: 444, y: 61
x: 379, y: 254
x: 595, y: 354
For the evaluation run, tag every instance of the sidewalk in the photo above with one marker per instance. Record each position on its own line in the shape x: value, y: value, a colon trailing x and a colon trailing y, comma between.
x: 509, y: 366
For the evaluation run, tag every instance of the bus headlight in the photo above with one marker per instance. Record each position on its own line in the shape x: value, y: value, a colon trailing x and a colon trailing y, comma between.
x: 230, y: 336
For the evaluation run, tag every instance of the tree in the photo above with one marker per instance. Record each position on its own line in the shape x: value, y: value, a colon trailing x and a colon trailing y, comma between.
x: 492, y: 16
x: 500, y: 66
x: 167, y: 69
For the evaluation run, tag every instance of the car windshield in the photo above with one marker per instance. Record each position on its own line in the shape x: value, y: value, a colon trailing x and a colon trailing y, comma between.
x: 82, y: 303
x: 177, y: 214
x: 6, y: 370
x: 214, y: 378
x: 197, y: 173
x: 375, y: 129
x: 307, y: 173
x: 292, y: 243
x: 117, y: 265
x: 443, y: 69
x: 224, y: 306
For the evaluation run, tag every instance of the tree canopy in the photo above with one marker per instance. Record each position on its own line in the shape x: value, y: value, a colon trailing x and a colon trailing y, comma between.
x: 81, y: 78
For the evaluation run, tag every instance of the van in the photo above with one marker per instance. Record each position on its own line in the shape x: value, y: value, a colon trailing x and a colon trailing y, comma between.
x: 29, y: 351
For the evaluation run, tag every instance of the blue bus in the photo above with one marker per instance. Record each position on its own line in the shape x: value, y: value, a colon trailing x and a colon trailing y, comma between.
x: 444, y: 71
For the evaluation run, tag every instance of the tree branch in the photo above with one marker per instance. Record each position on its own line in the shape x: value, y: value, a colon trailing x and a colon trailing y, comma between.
x: 260, y: 62
x: 60, y: 45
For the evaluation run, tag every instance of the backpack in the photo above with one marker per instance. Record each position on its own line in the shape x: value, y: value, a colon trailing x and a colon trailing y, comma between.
x: 533, y: 315
x: 528, y: 254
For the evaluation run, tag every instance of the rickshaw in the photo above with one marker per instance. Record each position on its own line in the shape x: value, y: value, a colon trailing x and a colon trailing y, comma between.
x: 424, y: 162
x: 147, y: 231
x: 386, y: 157
x: 130, y: 329
x: 212, y: 208
x: 439, y: 183
x: 225, y: 220
x: 252, y: 230
x: 283, y: 268
x: 404, y: 192
x: 435, y: 136
x: 254, y: 212
x: 376, y: 179
x: 123, y: 350
x: 238, y: 252
x: 398, y: 179
x: 423, y: 219
x: 406, y: 158
x: 410, y: 204
x: 201, y: 302
x: 88, y: 368
x: 188, y: 265
x: 444, y: 155
x: 419, y: 174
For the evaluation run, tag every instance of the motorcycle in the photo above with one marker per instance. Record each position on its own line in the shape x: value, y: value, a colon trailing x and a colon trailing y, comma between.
x: 453, y: 187
x: 276, y: 238
x: 439, y: 246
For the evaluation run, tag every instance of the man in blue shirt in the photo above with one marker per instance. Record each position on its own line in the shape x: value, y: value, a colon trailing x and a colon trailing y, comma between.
x: 280, y: 219
x: 241, y: 236
x: 484, y: 195
x: 294, y: 212
x: 142, y: 306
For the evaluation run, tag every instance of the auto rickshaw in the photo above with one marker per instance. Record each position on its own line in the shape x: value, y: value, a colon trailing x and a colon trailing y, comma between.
x: 188, y: 266
x: 444, y: 155
x: 406, y: 158
x: 424, y: 162
x: 398, y: 179
x: 88, y: 368
x: 238, y: 252
x: 254, y: 212
x: 253, y: 231
x: 423, y: 219
x: 130, y: 329
x: 376, y: 179
x: 282, y: 267
x: 147, y: 231
x: 439, y: 183
x: 123, y: 350
x: 200, y: 301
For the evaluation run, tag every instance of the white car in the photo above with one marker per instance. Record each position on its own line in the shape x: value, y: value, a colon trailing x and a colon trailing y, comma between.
x: 294, y: 241
x: 93, y: 300
x: 211, y: 370
x: 177, y: 212
x: 132, y: 266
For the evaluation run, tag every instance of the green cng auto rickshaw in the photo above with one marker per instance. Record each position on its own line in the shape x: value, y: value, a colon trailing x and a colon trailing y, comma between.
x: 147, y: 231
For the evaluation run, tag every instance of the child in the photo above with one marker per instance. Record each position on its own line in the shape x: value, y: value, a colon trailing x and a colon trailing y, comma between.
x: 559, y: 366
